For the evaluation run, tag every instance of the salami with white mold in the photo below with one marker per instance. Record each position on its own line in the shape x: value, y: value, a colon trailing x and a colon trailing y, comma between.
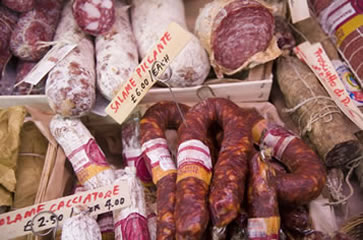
x: 70, y: 87
x: 149, y: 20
x: 237, y: 34
x: 116, y: 54
x: 94, y: 16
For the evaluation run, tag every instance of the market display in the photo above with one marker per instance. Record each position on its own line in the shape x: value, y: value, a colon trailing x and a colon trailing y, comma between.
x: 116, y: 53
x: 192, y: 161
x: 237, y: 35
x: 149, y: 20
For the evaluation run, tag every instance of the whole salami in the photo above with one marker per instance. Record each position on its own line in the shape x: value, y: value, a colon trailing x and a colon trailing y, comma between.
x: 237, y: 34
x: 158, y: 118
x: 22, y: 69
x: 19, y: 5
x: 70, y: 87
x: 33, y: 27
x: 94, y: 16
x: 307, y: 174
x: 195, y: 167
x: 116, y: 53
x: 149, y: 20
x: 8, y: 21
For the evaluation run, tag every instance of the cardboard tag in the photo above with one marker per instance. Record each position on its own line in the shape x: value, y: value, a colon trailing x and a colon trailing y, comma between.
x: 46, y: 215
x: 48, y: 62
x: 146, y: 74
x: 316, y: 58
x: 299, y: 10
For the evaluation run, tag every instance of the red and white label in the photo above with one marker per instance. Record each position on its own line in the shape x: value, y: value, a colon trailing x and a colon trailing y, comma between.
x: 263, y: 228
x: 134, y: 158
x: 134, y: 226
x: 196, y: 152
x: 158, y: 152
x: 278, y: 138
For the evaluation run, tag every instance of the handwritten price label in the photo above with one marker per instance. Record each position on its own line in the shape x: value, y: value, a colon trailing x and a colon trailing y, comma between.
x: 47, y: 215
x: 316, y: 58
x: 146, y: 74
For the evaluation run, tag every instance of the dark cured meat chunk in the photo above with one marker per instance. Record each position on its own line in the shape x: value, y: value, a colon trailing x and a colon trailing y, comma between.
x: 157, y: 119
x: 246, y: 30
x: 19, y: 5
x: 94, y: 16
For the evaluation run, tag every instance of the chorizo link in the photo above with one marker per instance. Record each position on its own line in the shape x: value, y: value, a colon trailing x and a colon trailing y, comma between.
x: 194, y: 175
x: 307, y: 174
x: 158, y: 118
x: 263, y: 209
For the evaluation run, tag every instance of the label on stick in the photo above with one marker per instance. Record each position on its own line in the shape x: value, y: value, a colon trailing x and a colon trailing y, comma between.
x: 316, y: 58
x: 48, y: 214
x: 146, y: 74
x: 299, y: 10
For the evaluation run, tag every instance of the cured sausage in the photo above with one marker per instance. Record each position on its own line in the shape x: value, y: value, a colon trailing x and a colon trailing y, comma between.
x: 70, y: 87
x: 191, y: 66
x: 33, y: 27
x: 158, y: 118
x: 94, y: 17
x: 8, y: 21
x: 131, y: 148
x: 19, y: 5
x: 116, y: 54
x: 82, y: 150
x: 263, y: 209
x: 22, y: 69
x: 307, y: 175
x: 237, y: 34
x: 195, y: 167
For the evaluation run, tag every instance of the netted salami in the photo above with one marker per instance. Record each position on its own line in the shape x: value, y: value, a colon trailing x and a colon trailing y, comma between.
x: 94, y: 16
x: 149, y: 20
x: 70, y: 87
x: 116, y: 53
x: 237, y: 34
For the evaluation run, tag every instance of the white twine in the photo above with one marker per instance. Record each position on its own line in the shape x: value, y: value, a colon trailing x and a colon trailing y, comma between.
x: 337, y: 192
x: 324, y: 112
x: 6, y: 23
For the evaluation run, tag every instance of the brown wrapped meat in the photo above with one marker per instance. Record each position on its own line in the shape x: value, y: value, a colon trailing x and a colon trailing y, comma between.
x: 195, y: 166
x: 307, y: 175
x: 237, y: 34
x: 157, y: 119
x: 263, y: 209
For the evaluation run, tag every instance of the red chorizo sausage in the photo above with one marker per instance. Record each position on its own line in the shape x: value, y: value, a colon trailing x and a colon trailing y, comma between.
x: 158, y: 118
x: 307, y: 174
x: 263, y: 209
x: 194, y: 167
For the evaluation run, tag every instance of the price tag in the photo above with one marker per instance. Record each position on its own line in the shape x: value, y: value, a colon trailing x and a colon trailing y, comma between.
x: 48, y: 62
x: 49, y: 214
x: 146, y: 74
x: 299, y: 10
x: 316, y: 58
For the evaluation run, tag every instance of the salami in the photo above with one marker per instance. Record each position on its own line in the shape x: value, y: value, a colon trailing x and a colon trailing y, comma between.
x: 158, y: 118
x: 87, y: 159
x: 263, y: 209
x: 191, y: 66
x: 19, y: 5
x: 342, y: 21
x: 307, y: 174
x: 94, y: 16
x: 237, y: 35
x: 116, y: 54
x: 22, y: 69
x: 195, y: 167
x: 283, y: 33
x: 34, y: 27
x: 70, y: 87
